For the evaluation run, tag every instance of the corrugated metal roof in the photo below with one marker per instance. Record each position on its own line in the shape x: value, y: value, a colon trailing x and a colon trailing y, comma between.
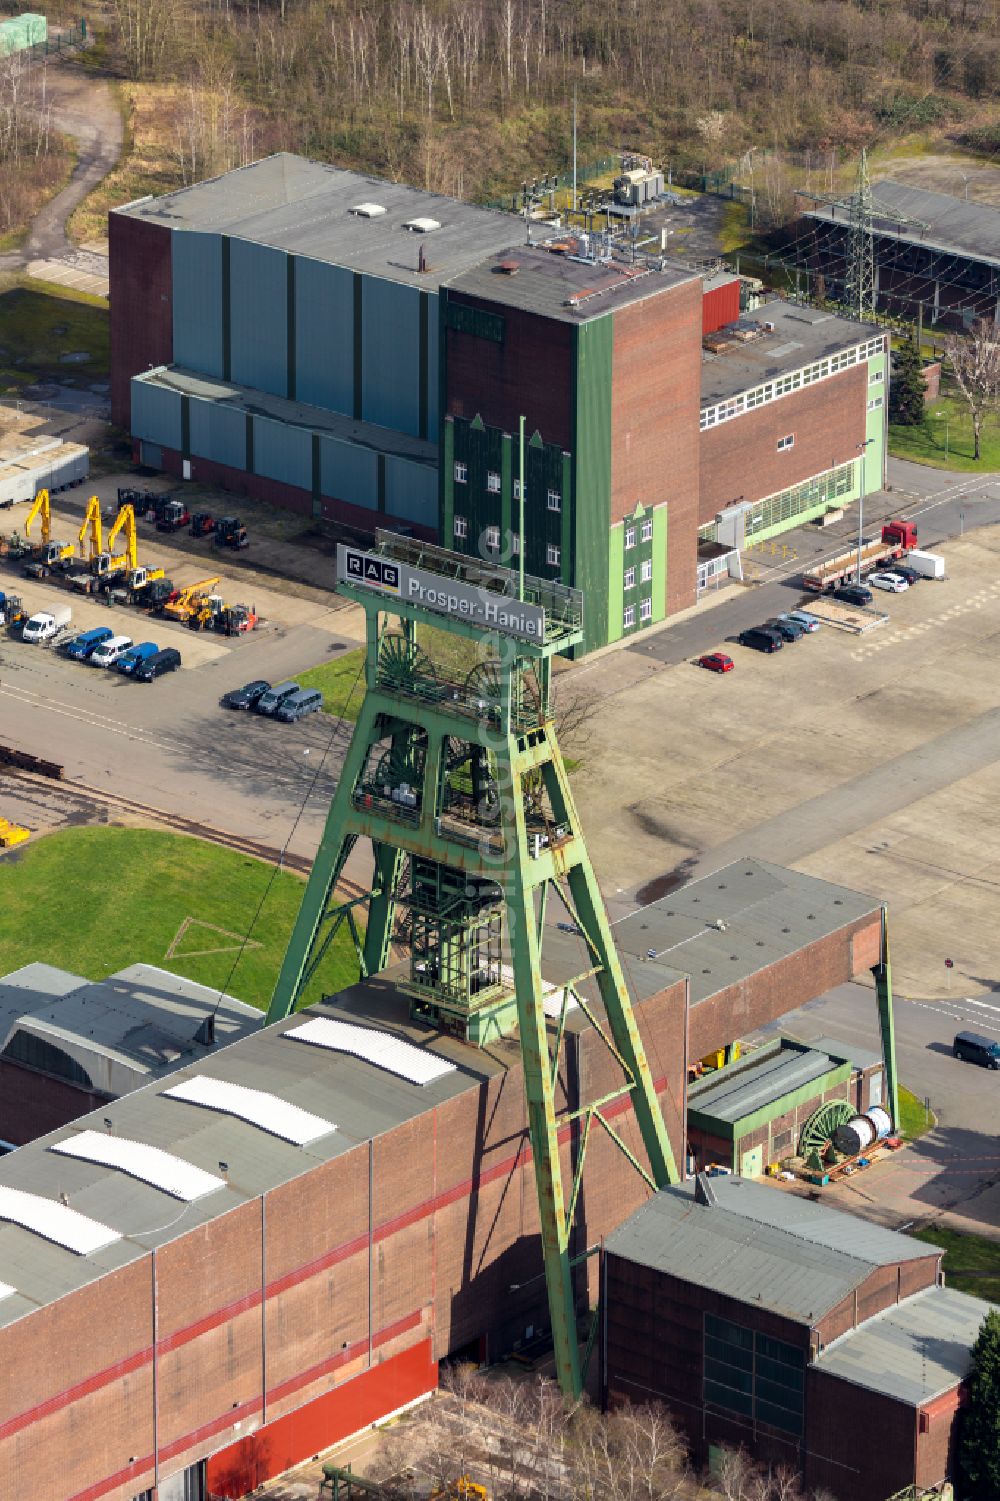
x: 760, y: 1245
x: 733, y: 1096
x: 914, y: 1351
x: 163, y: 1170
x: 801, y: 335
x: 32, y: 988
x: 54, y: 1221
x: 306, y: 207
x: 954, y: 224
x: 861, y: 1057
x: 252, y: 1105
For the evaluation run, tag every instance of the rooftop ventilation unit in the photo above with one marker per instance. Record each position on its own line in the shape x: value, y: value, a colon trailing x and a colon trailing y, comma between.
x: 421, y: 226
x: 367, y: 210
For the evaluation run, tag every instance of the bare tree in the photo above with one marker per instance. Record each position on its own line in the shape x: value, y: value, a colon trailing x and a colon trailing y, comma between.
x: 145, y: 28
x: 975, y: 364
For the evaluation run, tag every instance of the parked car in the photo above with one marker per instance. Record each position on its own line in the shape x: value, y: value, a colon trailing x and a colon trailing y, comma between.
x: 803, y: 618
x: 788, y: 630
x: 298, y: 705
x: 902, y: 571
x: 107, y: 654
x: 269, y: 701
x: 129, y: 660
x: 760, y: 640
x: 972, y: 1047
x: 81, y: 647
x: 854, y: 594
x: 892, y: 583
x: 247, y: 696
x: 167, y: 660
x: 716, y: 661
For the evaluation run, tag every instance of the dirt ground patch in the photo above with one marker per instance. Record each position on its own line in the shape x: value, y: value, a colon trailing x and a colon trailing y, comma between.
x: 945, y: 172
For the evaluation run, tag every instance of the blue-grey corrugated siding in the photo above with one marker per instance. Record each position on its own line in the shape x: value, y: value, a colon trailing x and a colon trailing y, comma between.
x: 411, y: 491
x: 196, y: 269
x: 219, y: 432
x: 433, y: 373
x: 348, y: 472
x: 324, y: 335
x: 390, y: 361
x: 156, y: 414
x: 282, y: 452
x: 258, y: 300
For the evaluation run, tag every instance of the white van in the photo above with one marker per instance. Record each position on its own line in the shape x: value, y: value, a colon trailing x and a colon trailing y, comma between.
x: 107, y: 654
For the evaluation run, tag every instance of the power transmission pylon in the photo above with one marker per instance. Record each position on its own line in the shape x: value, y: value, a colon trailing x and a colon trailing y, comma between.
x: 458, y: 782
x: 860, y: 278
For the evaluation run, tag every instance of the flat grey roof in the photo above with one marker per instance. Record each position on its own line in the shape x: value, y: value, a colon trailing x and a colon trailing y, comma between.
x: 953, y: 224
x: 914, y: 1351
x: 767, y: 912
x: 304, y: 207
x: 760, y: 1245
x: 801, y: 334
x: 560, y: 286
x: 31, y: 988
x: 363, y: 1101
x: 861, y: 1057
x: 293, y: 413
x: 732, y: 1096
x: 139, y: 1024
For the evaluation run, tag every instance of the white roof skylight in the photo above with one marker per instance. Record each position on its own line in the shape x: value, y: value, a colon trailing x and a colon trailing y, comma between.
x: 255, y: 1106
x: 422, y: 226
x: 368, y: 210
x: 55, y: 1222
x: 375, y: 1047
x: 6, y: 1290
x: 162, y: 1170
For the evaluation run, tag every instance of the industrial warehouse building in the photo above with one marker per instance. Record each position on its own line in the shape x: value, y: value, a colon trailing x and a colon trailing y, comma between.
x: 272, y: 1244
x: 936, y: 257
x: 809, y: 1337
x: 363, y: 352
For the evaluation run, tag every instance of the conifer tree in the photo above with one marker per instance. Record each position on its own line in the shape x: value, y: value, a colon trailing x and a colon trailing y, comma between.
x: 979, y: 1453
x: 906, y: 389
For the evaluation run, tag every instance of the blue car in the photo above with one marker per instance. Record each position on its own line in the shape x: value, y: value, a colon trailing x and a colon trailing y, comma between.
x: 129, y: 660
x: 84, y: 646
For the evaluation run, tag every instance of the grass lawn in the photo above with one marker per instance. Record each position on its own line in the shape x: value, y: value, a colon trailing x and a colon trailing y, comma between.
x: 341, y: 682
x: 95, y: 900
x: 944, y: 439
x: 39, y: 324
x: 967, y: 1254
x: 913, y: 1119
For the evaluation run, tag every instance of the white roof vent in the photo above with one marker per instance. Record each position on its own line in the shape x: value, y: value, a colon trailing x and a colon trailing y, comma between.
x: 255, y: 1106
x: 6, y: 1291
x: 378, y: 1048
x: 367, y: 210
x: 55, y: 1222
x: 162, y: 1170
x: 422, y: 226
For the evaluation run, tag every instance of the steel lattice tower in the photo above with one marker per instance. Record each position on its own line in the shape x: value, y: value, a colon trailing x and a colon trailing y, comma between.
x: 860, y: 273
x: 460, y: 787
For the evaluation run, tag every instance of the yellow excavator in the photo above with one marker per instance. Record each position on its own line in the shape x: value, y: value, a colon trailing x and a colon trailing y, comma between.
x: 109, y: 562
x: 191, y: 601
x: 47, y: 554
x: 90, y: 532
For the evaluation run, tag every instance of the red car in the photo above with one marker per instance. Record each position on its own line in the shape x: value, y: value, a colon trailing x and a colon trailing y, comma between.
x: 716, y: 661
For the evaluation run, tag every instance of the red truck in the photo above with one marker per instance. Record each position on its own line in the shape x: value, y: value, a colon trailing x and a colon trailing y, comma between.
x: 896, y: 539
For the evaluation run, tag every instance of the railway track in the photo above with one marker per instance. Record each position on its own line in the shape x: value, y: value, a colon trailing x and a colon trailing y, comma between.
x: 83, y: 793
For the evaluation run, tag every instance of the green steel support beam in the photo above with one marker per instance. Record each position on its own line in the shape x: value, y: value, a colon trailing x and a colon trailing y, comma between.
x: 882, y: 973
x: 382, y: 907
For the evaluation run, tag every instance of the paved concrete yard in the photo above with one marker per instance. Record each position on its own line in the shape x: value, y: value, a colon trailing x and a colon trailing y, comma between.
x: 874, y: 762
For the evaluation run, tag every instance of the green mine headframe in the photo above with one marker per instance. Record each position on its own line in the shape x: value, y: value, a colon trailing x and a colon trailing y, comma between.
x: 456, y: 778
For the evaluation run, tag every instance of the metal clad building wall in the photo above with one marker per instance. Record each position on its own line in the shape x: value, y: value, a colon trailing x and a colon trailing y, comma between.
x: 282, y: 452
x: 390, y: 359
x: 156, y: 414
x: 196, y: 266
x: 219, y: 433
x: 258, y: 300
x: 324, y: 335
x: 433, y: 370
x: 348, y: 472
x: 411, y: 491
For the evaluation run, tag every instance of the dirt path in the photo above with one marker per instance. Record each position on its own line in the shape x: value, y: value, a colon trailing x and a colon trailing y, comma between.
x: 83, y: 106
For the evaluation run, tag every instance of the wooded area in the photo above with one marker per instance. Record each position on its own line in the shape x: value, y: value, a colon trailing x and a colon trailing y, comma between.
x: 470, y: 96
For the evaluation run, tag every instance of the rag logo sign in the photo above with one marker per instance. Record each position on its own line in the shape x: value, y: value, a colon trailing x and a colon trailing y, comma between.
x: 368, y: 570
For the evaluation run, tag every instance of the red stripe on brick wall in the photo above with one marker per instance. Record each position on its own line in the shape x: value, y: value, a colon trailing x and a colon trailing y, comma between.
x: 141, y: 1467
x: 75, y: 1393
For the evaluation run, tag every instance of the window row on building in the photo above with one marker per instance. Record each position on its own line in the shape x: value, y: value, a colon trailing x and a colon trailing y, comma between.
x: 784, y: 385
x: 645, y: 533
x: 645, y: 614
x: 553, y: 498
x: 645, y: 574
x: 491, y: 541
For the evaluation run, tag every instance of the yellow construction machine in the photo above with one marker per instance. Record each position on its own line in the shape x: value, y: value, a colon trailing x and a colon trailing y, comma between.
x: 109, y: 563
x: 46, y: 554
x: 191, y: 601
x: 91, y: 533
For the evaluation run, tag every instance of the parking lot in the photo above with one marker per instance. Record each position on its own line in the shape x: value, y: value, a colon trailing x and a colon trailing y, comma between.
x: 873, y: 761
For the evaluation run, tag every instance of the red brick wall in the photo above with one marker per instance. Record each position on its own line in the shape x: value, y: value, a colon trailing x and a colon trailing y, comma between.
x: 740, y: 457
x: 32, y: 1104
x: 141, y: 300
x: 656, y: 371
x: 936, y: 1445
x: 530, y: 373
x: 289, y: 497
x: 879, y: 1458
